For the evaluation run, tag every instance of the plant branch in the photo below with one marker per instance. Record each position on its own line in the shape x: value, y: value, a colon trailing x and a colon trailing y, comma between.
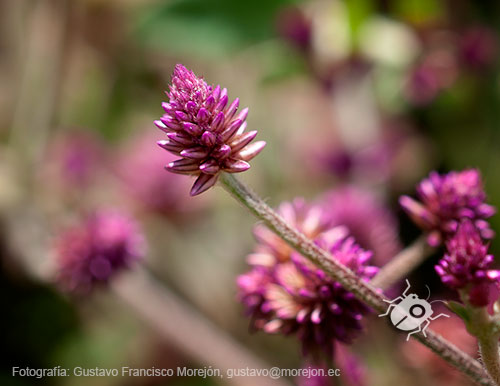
x: 363, y: 290
x: 484, y: 327
x: 189, y: 331
x: 403, y: 263
x: 488, y: 347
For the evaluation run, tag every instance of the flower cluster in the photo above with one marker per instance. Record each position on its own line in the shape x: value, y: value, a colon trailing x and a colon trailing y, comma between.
x: 284, y: 293
x: 93, y: 251
x: 205, y: 131
x: 448, y: 199
x: 371, y: 223
x: 467, y: 263
x: 453, y: 211
x: 447, y: 58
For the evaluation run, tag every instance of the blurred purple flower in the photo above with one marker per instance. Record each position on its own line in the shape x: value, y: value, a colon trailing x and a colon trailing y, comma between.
x: 435, y: 72
x: 339, y: 161
x: 94, y: 250
x: 478, y: 47
x: 378, y: 161
x: 368, y: 220
x: 309, y: 219
x: 294, y: 25
x: 353, y: 370
x: 73, y: 159
x: 205, y: 131
x: 446, y: 200
x: 422, y: 84
x: 285, y: 293
x: 467, y: 264
x: 144, y: 180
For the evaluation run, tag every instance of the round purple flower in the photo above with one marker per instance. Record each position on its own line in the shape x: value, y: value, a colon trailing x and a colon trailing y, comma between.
x: 205, y: 131
x: 285, y: 293
x: 368, y: 220
x: 94, y: 250
x: 467, y: 264
x: 446, y: 200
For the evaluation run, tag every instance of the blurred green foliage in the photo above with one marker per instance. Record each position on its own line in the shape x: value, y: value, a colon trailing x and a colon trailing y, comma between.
x: 208, y: 27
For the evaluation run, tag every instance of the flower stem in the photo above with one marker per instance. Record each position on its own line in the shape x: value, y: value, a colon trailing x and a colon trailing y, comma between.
x: 363, y: 290
x: 488, y: 347
x: 484, y: 328
x: 403, y: 263
x: 186, y: 329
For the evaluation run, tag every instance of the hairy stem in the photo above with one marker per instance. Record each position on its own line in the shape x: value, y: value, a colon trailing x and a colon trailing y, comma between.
x: 488, y: 347
x: 363, y: 290
x: 403, y: 263
x: 484, y: 328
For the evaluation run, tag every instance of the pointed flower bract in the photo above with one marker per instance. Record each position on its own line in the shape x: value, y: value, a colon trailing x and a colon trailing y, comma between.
x: 205, y: 131
x: 468, y: 264
x: 448, y: 199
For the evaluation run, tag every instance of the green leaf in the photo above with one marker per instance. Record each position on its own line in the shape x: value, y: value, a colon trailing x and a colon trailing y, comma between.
x: 460, y: 310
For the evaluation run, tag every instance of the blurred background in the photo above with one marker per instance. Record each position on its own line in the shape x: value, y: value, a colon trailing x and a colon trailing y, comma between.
x: 368, y: 95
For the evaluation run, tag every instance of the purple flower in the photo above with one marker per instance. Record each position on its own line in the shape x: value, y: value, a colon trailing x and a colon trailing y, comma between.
x: 446, y: 200
x: 94, y: 250
x: 368, y: 220
x: 73, y: 160
x: 309, y: 219
x: 205, y: 131
x: 478, y: 47
x: 145, y: 182
x: 295, y: 26
x: 436, y: 71
x: 467, y: 264
x: 423, y: 84
x: 285, y: 293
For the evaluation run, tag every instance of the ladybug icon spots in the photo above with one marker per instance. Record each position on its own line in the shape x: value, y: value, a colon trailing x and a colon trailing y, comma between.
x: 411, y: 313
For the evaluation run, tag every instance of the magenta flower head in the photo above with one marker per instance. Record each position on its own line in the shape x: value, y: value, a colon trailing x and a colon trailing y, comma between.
x: 205, y: 131
x: 467, y: 264
x: 368, y: 220
x: 285, y: 293
x: 446, y: 200
x: 93, y: 251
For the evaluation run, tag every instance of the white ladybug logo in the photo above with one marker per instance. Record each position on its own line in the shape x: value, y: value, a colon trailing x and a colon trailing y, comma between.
x: 411, y: 313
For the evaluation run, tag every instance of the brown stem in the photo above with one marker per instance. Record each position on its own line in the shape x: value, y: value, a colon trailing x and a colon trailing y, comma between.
x: 364, y: 291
